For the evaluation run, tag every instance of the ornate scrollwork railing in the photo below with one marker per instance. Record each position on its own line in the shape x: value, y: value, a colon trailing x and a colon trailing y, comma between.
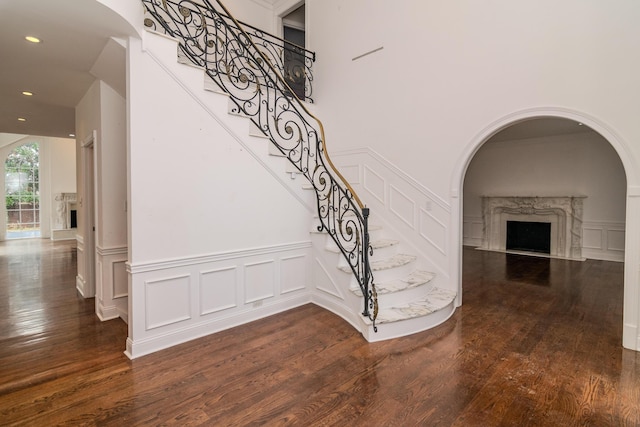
x: 211, y: 38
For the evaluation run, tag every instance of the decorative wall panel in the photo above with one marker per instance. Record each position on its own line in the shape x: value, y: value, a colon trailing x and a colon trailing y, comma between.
x: 401, y: 205
x: 259, y: 281
x: 293, y: 274
x: 374, y: 184
x: 218, y: 290
x: 433, y: 231
x: 120, y: 280
x: 167, y: 301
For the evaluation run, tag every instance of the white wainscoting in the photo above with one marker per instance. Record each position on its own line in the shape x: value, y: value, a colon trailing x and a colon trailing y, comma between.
x: 177, y: 300
x: 472, y: 231
x: 111, y: 283
x: 81, y: 277
x: 411, y: 211
x: 603, y: 240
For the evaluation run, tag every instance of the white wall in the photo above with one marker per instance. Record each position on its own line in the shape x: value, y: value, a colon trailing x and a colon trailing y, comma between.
x: 451, y: 74
x: 103, y: 110
x: 453, y: 67
x: 215, y: 239
x: 62, y: 171
x: 582, y: 164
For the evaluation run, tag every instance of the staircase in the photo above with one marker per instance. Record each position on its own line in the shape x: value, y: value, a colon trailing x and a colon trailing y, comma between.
x: 406, y: 297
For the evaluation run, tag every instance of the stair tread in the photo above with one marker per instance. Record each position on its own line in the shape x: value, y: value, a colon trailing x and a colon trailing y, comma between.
x: 377, y: 244
x: 435, y: 300
x: 398, y: 260
x: 336, y: 250
x: 383, y: 243
x: 413, y: 280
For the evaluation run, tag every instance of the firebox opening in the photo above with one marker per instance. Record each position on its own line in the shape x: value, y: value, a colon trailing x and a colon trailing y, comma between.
x: 529, y: 236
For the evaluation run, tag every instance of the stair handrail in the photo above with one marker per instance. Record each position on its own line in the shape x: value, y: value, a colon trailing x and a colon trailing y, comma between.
x: 243, y: 71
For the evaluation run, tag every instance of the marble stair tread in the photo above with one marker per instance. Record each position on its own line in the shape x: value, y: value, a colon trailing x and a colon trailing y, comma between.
x: 378, y: 244
x: 397, y: 260
x: 435, y: 300
x: 413, y: 280
x: 336, y: 250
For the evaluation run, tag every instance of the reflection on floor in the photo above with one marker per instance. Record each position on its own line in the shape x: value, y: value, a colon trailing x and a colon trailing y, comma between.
x: 23, y: 234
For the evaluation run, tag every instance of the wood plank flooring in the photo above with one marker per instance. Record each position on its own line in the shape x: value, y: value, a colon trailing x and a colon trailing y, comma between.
x: 536, y: 343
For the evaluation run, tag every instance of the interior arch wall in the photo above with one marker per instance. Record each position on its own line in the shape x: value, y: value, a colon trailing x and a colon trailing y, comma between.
x: 631, y: 313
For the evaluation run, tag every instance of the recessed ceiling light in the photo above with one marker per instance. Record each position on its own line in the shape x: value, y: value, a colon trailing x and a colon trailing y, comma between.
x: 72, y: 135
x: 32, y: 39
x: 27, y: 93
x: 22, y: 119
x: 580, y: 124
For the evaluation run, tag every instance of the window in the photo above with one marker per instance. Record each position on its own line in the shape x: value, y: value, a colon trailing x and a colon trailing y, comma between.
x: 22, y: 191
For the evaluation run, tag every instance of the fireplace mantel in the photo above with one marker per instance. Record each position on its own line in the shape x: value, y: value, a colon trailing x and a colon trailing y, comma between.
x: 563, y: 213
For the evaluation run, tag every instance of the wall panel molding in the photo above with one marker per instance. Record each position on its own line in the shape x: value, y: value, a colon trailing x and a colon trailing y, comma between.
x: 603, y: 240
x: 183, y: 299
x: 167, y: 301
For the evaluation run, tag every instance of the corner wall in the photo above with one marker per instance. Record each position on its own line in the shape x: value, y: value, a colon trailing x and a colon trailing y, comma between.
x: 103, y: 110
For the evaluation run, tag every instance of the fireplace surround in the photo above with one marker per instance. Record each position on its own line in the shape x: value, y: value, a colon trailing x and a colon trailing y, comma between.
x: 563, y: 213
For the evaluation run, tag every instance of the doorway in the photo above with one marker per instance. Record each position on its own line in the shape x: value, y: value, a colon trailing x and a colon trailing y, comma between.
x: 600, y: 240
x: 294, y: 35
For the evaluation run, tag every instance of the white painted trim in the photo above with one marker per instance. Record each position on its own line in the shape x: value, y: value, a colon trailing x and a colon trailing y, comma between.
x: 105, y: 313
x: 396, y: 171
x: 112, y: 250
x: 631, y: 316
x: 222, y: 256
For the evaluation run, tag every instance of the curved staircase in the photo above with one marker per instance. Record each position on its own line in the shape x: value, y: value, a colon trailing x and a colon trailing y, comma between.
x: 409, y: 297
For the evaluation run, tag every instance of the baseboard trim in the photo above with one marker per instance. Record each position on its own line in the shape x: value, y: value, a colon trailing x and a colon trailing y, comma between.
x: 107, y: 313
x: 630, y: 337
x: 80, y: 286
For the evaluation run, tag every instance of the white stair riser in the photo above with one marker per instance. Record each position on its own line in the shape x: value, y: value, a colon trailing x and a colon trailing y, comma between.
x: 409, y: 326
x: 385, y: 252
x: 399, y: 298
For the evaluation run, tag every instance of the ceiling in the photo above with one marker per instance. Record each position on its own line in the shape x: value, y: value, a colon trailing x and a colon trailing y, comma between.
x: 59, y: 70
x: 77, y: 48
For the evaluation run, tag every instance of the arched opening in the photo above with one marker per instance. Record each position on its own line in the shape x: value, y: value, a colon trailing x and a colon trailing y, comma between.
x: 613, y: 239
x: 22, y: 191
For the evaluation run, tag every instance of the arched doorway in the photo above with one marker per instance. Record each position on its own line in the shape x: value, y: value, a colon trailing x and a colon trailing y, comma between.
x: 631, y: 248
x: 22, y: 191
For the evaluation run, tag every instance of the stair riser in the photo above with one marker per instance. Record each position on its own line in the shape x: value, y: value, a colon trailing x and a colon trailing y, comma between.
x: 399, y: 298
x: 384, y: 253
x: 410, y: 326
x: 393, y: 273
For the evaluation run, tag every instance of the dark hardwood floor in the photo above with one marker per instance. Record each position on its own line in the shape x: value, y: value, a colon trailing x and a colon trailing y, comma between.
x: 536, y: 343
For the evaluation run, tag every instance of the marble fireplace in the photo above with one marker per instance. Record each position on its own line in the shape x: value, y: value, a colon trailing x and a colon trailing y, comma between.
x: 64, y: 227
x: 564, y: 214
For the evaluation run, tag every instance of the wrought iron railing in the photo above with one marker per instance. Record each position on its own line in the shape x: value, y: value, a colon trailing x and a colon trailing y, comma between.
x: 211, y: 38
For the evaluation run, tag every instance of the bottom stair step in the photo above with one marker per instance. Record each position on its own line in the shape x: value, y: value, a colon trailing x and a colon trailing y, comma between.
x: 435, y: 300
x: 415, y: 279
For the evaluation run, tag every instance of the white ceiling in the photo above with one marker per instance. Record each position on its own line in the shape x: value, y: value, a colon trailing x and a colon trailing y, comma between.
x: 58, y: 70
x: 76, y: 49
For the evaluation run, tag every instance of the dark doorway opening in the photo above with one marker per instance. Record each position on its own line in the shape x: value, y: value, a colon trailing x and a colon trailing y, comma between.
x: 529, y: 236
